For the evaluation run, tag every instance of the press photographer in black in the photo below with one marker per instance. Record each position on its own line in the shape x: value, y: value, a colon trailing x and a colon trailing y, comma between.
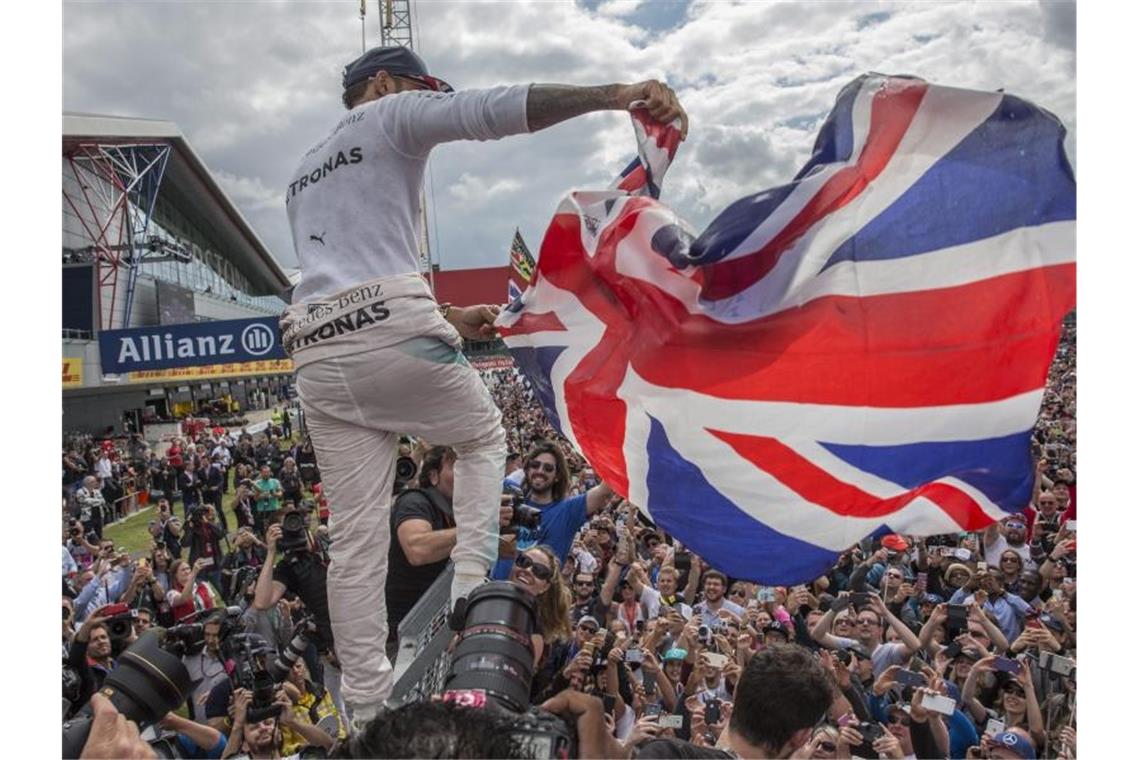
x: 424, y: 527
x: 303, y: 571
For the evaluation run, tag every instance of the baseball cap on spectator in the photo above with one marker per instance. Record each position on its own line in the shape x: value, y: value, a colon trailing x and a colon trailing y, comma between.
x: 1052, y: 623
x: 899, y: 706
x: 1015, y: 743
x: 777, y: 627
x: 676, y: 653
x: 958, y: 567
x: 968, y: 655
x: 589, y: 620
x: 932, y: 599
x: 895, y: 542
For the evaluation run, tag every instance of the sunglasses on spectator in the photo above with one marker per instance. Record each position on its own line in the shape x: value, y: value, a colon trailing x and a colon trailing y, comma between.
x: 583, y: 583
x: 896, y: 576
x: 541, y: 572
x: 895, y: 718
x: 588, y: 627
x: 544, y: 466
x: 1017, y: 691
x: 867, y: 621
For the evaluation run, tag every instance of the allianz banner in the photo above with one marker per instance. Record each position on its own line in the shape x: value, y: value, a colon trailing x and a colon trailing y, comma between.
x: 189, y: 345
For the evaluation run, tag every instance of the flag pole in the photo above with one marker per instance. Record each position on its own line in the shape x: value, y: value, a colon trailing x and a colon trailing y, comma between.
x: 362, y: 41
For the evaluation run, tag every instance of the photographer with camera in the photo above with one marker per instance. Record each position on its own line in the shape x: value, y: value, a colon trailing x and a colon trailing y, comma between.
x: 208, y: 667
x: 214, y: 484
x: 291, y: 486
x: 267, y: 493
x: 547, y: 485
x: 423, y: 524
x: 263, y: 739
x: 90, y: 656
x: 307, y: 464
x: 312, y: 704
x: 241, y: 565
x: 303, y: 572
x: 204, y: 538
x: 190, y: 483
x: 106, y: 581
x: 187, y: 593
x: 870, y: 614
x: 91, y: 506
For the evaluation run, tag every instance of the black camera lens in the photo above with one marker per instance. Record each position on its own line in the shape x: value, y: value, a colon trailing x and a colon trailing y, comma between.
x: 494, y: 651
x: 292, y: 522
x: 405, y: 469
x: 146, y: 683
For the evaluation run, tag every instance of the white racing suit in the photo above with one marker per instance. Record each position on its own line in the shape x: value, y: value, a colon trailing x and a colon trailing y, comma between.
x: 373, y: 362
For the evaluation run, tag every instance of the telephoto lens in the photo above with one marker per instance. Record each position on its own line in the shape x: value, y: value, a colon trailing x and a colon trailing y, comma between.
x: 146, y: 684
x: 494, y: 653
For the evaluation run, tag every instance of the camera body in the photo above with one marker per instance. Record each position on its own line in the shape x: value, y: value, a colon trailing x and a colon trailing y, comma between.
x: 522, y: 515
x: 196, y: 515
x: 294, y: 533
x: 250, y: 654
x: 120, y: 622
x: 870, y: 732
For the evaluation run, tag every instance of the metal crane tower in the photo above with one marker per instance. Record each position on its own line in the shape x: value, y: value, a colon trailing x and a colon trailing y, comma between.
x: 396, y: 29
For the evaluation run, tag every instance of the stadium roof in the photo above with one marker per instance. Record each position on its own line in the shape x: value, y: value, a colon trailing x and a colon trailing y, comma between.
x: 189, y: 186
x: 464, y: 287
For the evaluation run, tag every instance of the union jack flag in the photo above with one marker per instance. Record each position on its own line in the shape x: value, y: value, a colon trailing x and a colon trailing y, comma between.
x: 862, y: 351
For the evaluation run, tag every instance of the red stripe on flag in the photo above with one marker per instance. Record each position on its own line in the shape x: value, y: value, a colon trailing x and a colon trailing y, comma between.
x: 892, y: 110
x: 666, y: 136
x: 974, y: 343
x: 634, y: 180
x: 531, y: 323
x: 819, y: 486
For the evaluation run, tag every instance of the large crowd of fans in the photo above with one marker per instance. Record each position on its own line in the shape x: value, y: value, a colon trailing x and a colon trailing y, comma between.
x: 951, y: 646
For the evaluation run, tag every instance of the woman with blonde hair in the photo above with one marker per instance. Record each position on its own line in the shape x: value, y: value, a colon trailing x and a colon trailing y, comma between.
x: 536, y: 571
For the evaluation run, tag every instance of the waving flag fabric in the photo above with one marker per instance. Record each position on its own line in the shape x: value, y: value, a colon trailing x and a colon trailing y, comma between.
x: 521, y: 260
x: 858, y: 352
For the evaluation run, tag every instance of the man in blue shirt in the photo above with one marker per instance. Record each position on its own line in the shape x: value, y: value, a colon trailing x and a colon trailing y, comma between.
x: 547, y: 480
x: 1008, y: 609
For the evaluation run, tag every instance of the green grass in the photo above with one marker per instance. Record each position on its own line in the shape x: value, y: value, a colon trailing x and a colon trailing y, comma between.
x: 132, y: 533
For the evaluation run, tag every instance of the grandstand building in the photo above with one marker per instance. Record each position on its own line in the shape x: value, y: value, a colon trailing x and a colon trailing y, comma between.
x: 150, y: 239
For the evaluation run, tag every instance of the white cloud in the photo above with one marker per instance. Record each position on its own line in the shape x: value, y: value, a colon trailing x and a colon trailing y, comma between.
x: 253, y: 85
x: 620, y: 8
x: 476, y: 192
x: 248, y: 192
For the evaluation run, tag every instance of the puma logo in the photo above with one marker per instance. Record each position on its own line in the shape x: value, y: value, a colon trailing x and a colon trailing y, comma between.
x: 319, y: 238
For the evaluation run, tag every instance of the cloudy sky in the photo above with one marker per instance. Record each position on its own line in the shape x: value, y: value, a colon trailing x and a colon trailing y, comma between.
x: 253, y: 84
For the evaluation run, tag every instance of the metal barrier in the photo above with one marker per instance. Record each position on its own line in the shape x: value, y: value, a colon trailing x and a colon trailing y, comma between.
x: 423, y: 658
